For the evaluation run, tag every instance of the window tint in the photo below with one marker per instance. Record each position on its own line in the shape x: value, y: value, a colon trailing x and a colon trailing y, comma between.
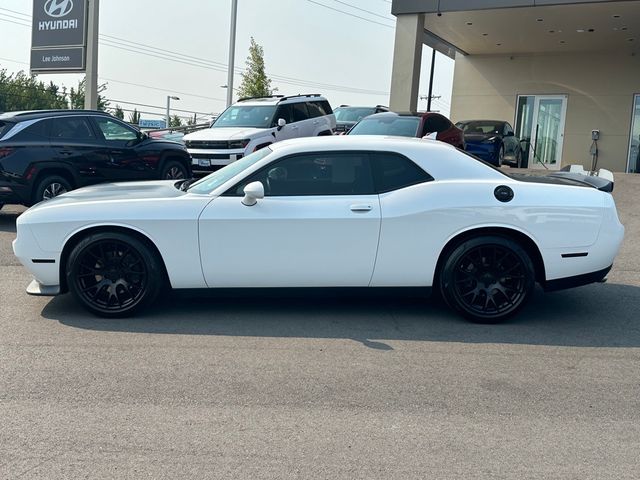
x: 326, y: 108
x: 299, y: 111
x: 36, y: 132
x: 314, y: 174
x: 315, y: 109
x: 5, y: 127
x: 114, y: 131
x: 392, y: 172
x: 71, y: 128
x: 396, y: 125
x: 285, y: 112
x: 435, y: 123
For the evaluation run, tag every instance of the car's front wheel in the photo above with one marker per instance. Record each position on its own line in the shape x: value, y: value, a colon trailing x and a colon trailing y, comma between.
x: 113, y: 274
x: 487, y: 279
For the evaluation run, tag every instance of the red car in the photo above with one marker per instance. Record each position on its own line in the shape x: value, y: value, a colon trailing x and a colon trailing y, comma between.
x: 410, y: 125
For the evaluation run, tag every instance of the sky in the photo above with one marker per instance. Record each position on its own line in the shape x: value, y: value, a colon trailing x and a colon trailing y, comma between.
x: 342, y: 49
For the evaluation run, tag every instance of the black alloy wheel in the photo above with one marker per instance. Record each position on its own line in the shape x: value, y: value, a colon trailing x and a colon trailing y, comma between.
x: 113, y: 274
x: 174, y: 171
x: 50, y: 187
x: 488, y: 279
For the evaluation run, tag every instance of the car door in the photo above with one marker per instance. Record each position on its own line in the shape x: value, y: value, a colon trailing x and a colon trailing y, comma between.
x: 301, y: 119
x: 76, y: 145
x: 317, y: 226
x: 291, y: 129
x: 118, y: 143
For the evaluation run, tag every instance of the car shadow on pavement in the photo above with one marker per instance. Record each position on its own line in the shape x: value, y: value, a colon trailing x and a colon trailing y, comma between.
x: 599, y: 315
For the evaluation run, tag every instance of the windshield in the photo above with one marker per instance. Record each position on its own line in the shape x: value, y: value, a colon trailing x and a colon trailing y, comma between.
x: 387, y: 125
x: 352, y: 114
x: 255, y: 116
x: 209, y: 183
x: 481, y: 127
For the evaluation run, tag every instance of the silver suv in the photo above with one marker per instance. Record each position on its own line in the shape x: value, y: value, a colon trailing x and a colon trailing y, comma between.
x: 253, y: 123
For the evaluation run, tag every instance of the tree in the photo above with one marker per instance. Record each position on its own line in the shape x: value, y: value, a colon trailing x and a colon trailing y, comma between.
x: 255, y: 82
x: 193, y: 120
x: 77, y: 96
x: 118, y: 112
x: 21, y: 91
x: 175, y: 121
x: 134, y: 117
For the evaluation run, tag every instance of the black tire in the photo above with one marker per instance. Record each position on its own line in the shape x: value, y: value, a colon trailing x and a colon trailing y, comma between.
x: 518, y: 160
x: 49, y: 187
x: 114, y: 275
x: 174, y: 170
x: 501, y: 156
x: 487, y: 279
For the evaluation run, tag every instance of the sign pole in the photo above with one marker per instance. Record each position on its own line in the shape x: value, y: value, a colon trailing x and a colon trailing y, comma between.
x: 91, y: 77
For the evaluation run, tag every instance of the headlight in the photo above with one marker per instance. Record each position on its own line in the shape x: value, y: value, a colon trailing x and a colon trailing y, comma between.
x: 239, y: 143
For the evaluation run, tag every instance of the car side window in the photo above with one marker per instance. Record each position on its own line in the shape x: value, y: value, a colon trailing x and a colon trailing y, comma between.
x: 299, y: 111
x: 326, y: 107
x: 322, y: 173
x: 72, y: 128
x: 284, y: 112
x: 315, y: 109
x: 435, y: 123
x: 392, y: 171
x: 37, y: 132
x: 115, y: 132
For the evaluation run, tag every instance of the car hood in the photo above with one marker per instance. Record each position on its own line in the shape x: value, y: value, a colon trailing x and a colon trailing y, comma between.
x: 225, y: 133
x: 479, y: 137
x: 123, y: 191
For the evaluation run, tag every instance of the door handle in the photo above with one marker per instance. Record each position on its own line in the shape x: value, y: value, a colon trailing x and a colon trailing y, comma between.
x: 361, y: 208
x: 66, y: 152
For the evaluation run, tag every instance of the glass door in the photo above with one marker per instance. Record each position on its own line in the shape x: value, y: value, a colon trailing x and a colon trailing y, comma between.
x: 633, y: 163
x: 540, y: 125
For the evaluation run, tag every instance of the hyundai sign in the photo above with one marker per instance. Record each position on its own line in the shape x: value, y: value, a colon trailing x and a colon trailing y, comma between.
x: 58, y: 36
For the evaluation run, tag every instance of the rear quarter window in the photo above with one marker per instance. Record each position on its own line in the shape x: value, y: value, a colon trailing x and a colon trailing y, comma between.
x: 392, y: 171
x: 5, y: 127
x: 37, y: 132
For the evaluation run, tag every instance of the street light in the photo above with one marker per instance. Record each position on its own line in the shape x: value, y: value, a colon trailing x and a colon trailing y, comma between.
x: 169, y: 98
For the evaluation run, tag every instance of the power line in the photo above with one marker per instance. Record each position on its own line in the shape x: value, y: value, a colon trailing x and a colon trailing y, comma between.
x: 193, y: 61
x: 347, y: 13
x: 363, y: 10
x: 155, y: 106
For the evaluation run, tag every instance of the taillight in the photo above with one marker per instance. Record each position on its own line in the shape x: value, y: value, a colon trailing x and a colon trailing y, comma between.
x: 6, y: 151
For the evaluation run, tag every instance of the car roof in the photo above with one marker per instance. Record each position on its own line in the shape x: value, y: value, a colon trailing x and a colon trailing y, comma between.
x: 482, y: 121
x: 280, y: 99
x: 36, y: 114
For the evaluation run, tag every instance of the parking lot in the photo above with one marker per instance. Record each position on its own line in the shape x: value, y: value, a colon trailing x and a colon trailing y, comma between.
x: 316, y: 387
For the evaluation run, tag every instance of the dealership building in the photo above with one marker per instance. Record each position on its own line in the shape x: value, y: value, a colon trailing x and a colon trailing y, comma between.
x: 556, y: 69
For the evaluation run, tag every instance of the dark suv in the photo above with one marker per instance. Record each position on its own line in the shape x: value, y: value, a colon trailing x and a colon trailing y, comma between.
x: 46, y: 153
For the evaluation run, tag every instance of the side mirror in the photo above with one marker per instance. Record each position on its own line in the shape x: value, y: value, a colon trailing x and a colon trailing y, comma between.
x: 252, y: 193
x: 281, y: 123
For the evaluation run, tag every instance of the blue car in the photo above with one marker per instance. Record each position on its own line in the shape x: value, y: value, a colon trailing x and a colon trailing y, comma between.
x: 493, y: 141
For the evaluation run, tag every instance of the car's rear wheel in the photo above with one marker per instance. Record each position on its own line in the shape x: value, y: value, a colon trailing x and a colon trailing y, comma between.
x: 114, y: 274
x: 174, y: 170
x: 487, y: 279
x: 50, y: 187
x: 501, y: 156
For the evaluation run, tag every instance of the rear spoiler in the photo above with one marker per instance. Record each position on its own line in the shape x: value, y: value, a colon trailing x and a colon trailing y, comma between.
x: 602, y: 179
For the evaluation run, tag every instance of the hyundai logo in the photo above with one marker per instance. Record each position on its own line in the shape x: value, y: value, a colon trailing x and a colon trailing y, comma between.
x: 58, y: 8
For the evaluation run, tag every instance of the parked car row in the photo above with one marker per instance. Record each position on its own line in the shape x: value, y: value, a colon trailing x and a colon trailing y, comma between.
x: 46, y: 153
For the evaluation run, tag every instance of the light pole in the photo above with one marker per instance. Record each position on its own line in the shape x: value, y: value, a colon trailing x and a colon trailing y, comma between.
x: 91, y: 73
x: 232, y: 51
x: 169, y: 98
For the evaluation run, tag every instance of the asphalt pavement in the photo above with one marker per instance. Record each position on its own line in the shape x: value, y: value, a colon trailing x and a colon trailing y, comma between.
x: 323, y: 387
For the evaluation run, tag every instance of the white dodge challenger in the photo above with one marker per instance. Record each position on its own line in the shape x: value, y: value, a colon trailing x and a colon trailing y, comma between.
x: 348, y: 211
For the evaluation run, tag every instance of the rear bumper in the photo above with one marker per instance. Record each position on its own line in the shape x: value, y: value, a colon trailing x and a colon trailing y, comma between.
x: 14, y: 193
x: 577, y: 280
x: 486, y: 152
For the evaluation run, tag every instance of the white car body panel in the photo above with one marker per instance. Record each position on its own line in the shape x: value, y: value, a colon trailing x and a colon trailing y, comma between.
x: 209, y: 240
x: 290, y: 241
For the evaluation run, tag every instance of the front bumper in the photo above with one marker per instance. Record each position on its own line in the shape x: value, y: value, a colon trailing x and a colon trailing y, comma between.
x: 43, y: 265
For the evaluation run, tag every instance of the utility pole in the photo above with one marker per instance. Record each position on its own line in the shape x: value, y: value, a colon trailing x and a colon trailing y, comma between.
x: 232, y: 51
x: 169, y: 98
x: 91, y: 74
x: 433, y: 66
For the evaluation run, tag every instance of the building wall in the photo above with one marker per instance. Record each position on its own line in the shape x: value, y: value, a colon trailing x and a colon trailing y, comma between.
x: 600, y: 89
